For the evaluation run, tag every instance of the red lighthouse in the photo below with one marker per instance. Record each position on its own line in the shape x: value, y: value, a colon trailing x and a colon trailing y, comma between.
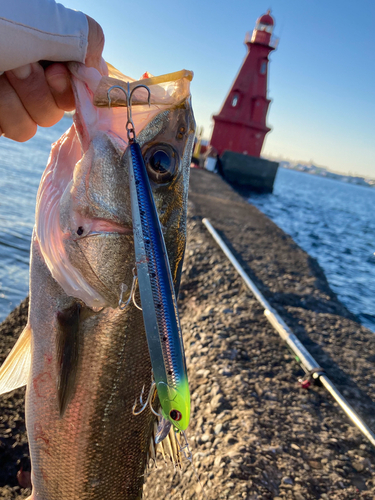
x: 240, y: 126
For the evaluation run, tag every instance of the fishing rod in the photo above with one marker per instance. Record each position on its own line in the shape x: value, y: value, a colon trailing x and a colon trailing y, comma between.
x: 308, y: 363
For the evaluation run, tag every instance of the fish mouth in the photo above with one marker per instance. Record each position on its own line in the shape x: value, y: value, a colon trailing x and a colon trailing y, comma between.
x: 101, y: 227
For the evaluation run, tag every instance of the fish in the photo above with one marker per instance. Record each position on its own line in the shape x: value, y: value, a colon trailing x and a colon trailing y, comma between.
x: 83, y: 358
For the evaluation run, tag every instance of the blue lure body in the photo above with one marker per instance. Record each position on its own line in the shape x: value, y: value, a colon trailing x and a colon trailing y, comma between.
x: 158, y: 298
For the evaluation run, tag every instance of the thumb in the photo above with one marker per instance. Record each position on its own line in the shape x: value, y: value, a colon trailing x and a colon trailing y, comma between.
x: 95, y: 44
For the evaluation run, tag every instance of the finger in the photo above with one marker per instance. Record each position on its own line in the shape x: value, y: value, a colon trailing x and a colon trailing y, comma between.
x: 15, y: 121
x: 31, y: 86
x: 58, y: 79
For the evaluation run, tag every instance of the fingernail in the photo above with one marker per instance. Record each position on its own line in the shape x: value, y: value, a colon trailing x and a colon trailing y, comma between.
x: 60, y: 83
x: 22, y: 72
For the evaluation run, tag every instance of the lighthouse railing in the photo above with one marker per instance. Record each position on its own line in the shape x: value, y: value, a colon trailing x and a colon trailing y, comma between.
x: 274, y: 42
x: 250, y: 37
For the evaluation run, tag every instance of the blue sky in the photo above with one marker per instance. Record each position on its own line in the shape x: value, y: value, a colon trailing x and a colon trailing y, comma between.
x: 321, y: 79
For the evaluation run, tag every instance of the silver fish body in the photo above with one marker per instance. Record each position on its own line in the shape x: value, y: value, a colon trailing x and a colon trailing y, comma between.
x: 89, y: 364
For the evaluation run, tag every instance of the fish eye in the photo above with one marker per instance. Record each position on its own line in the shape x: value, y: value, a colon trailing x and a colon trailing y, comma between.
x: 175, y: 415
x: 161, y: 163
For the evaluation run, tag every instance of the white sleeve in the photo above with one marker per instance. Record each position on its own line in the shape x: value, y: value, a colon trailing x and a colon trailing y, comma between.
x: 34, y: 30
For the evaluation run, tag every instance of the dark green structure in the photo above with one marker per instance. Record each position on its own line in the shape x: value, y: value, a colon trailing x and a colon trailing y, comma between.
x: 248, y: 172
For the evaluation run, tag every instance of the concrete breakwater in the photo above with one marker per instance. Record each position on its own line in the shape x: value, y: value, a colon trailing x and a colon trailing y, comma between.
x: 255, y: 434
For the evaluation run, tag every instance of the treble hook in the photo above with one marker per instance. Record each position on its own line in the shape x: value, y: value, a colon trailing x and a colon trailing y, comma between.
x: 148, y: 401
x: 123, y: 305
x: 130, y: 127
x: 183, y: 445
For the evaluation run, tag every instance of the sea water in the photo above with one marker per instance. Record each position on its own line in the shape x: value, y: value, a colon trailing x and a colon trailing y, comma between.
x: 21, y: 167
x: 334, y: 222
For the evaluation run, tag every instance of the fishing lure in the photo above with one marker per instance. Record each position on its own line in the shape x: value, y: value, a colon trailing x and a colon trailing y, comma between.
x: 158, y: 300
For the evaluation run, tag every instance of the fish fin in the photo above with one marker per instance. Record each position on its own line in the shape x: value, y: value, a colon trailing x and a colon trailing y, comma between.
x: 14, y: 372
x: 168, y: 447
x: 67, y: 354
x: 152, y: 449
x: 115, y: 73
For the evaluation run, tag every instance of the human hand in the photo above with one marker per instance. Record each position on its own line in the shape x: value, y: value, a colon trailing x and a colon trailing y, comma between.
x: 32, y: 96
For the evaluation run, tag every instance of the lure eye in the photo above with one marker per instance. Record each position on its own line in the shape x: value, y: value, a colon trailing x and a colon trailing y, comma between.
x: 175, y: 415
x: 161, y: 162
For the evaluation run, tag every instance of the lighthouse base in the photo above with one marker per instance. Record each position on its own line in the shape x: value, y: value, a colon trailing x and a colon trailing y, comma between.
x: 248, y: 173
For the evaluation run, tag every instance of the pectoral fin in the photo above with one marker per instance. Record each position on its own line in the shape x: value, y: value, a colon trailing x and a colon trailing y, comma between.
x: 15, y: 370
x: 67, y: 355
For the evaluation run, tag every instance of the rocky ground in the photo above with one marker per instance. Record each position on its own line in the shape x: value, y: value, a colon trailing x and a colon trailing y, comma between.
x: 14, y: 450
x: 255, y: 433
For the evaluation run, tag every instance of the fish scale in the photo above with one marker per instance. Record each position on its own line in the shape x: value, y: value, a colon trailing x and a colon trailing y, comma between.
x: 89, y: 454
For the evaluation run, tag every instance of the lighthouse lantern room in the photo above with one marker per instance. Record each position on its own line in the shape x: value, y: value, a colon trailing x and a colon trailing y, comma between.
x: 240, y: 126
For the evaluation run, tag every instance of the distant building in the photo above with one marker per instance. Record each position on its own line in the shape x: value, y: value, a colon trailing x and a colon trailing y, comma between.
x: 240, y: 126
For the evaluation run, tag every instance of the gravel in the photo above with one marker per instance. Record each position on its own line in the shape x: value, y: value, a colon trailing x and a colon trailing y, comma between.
x: 254, y: 432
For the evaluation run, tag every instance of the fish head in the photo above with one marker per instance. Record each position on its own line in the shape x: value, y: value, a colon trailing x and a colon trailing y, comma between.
x: 175, y: 403
x: 95, y: 208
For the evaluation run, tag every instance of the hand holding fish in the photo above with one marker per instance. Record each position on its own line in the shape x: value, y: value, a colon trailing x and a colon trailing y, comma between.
x: 31, y: 95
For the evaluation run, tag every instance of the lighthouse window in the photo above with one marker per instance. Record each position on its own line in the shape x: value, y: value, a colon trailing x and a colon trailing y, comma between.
x: 264, y: 27
x: 263, y: 68
x: 235, y: 101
